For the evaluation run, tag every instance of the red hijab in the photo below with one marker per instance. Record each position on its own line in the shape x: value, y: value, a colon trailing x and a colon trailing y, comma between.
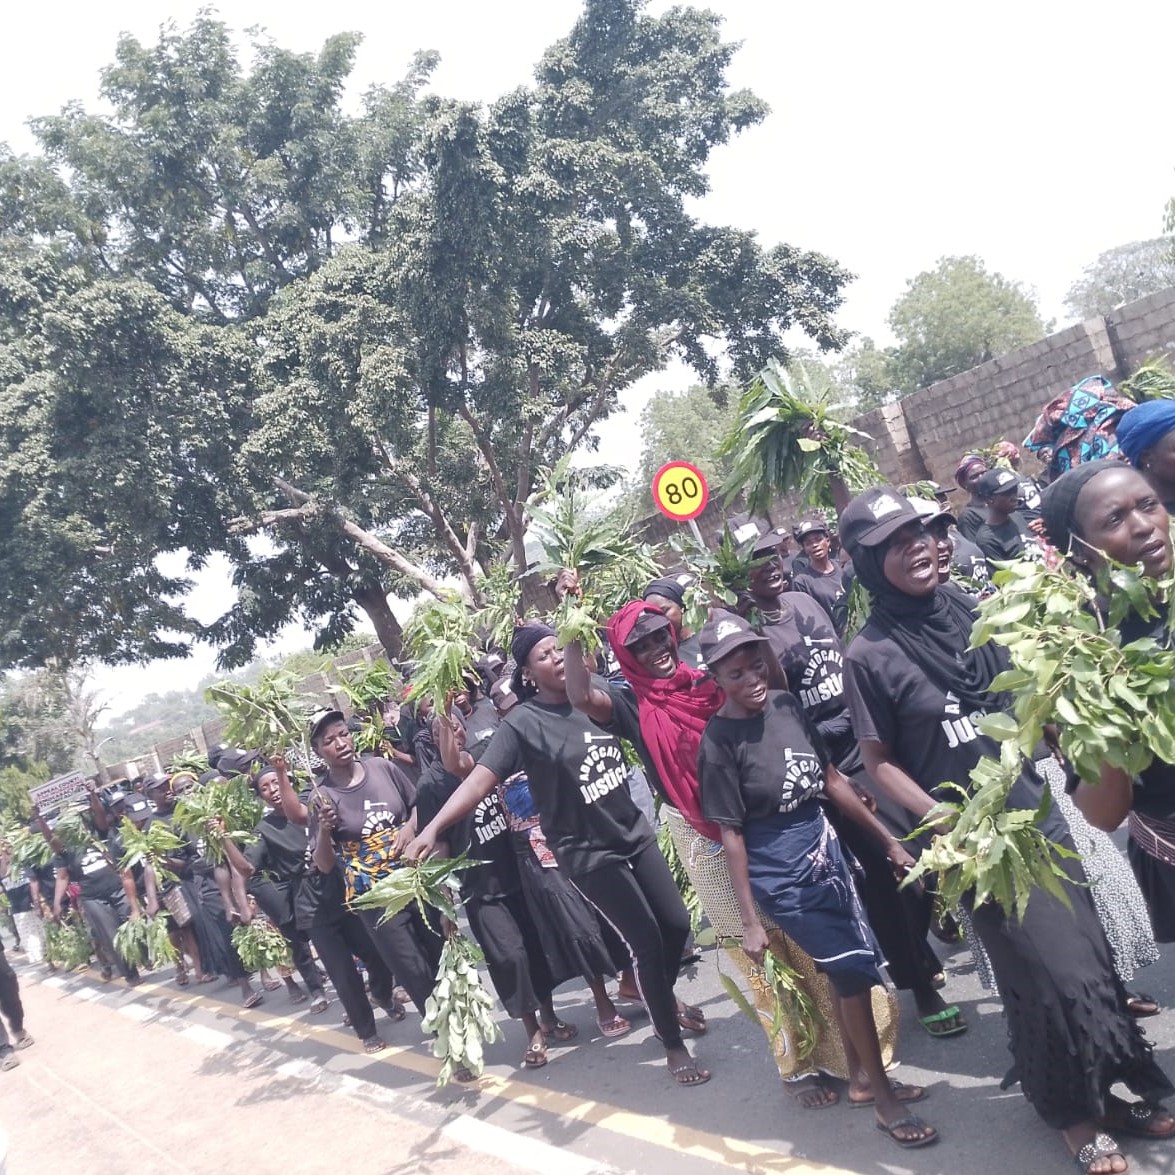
x: 673, y: 713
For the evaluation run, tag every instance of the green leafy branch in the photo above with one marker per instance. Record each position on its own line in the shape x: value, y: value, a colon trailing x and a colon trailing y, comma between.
x: 230, y: 803
x: 790, y: 1001
x: 143, y: 941
x: 261, y: 946
x: 787, y: 439
x: 460, y: 1010
x: 441, y: 640
x: 149, y: 847
x: 1111, y: 701
x: 982, y: 848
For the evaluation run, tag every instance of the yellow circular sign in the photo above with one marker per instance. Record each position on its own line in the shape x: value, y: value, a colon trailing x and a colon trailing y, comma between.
x: 680, y: 491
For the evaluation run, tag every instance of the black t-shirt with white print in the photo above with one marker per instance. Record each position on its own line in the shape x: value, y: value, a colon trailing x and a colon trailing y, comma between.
x: 380, y: 801
x: 763, y: 767
x: 484, y: 834
x: 93, y: 868
x: 812, y: 659
x: 830, y: 591
x: 578, y: 778
x: 933, y: 738
x: 1008, y: 540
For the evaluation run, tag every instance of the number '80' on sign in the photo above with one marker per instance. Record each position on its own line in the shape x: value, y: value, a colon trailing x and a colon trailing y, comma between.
x: 680, y: 491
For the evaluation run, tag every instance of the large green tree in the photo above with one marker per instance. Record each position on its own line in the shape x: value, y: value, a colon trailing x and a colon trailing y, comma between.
x: 954, y: 317
x: 1122, y: 274
x: 352, y: 342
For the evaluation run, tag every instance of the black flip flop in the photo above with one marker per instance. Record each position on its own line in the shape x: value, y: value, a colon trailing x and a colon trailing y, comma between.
x: 910, y: 1122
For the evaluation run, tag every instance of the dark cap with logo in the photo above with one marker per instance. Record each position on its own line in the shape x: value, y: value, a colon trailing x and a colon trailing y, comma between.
x: 871, y: 517
x: 723, y: 635
x: 810, y: 526
x: 995, y: 482
x: 646, y: 624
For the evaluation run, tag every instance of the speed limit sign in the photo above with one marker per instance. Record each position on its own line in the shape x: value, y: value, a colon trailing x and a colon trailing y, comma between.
x: 680, y: 491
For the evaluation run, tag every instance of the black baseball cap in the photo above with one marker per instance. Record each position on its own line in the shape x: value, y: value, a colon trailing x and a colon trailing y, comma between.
x: 995, y: 482
x: 722, y: 635
x: 930, y: 511
x: 871, y: 517
x: 646, y: 624
x: 668, y: 589
x: 322, y: 718
x: 767, y: 543
x: 810, y: 526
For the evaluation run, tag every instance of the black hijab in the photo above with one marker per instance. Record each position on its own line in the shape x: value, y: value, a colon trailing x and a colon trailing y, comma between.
x: 933, y: 631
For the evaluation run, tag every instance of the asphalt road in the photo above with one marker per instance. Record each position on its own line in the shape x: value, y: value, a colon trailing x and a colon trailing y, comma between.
x: 133, y: 1076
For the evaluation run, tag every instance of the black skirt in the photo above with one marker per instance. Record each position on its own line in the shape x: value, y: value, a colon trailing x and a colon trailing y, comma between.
x: 1157, y: 882
x: 572, y: 938
x: 1070, y: 1034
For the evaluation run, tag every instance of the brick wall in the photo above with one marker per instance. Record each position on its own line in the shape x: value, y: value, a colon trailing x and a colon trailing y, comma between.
x: 925, y: 433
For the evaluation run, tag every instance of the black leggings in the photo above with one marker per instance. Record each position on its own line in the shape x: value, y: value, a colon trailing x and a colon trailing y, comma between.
x: 513, y: 951
x: 640, y: 901
x: 337, y: 944
x: 10, y: 1003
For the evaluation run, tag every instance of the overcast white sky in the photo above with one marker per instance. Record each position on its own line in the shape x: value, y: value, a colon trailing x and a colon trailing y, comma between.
x: 1036, y: 135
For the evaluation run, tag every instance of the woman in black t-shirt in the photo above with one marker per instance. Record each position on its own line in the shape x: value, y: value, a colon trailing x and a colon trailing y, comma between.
x: 577, y: 773
x: 762, y: 768
x: 1106, y: 509
x: 915, y: 690
x: 492, y: 896
x: 273, y: 867
x: 357, y: 831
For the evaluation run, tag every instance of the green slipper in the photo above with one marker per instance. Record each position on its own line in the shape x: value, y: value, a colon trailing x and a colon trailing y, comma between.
x: 935, y: 1023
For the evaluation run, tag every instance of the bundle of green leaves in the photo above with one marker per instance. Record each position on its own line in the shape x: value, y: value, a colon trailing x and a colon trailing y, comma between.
x: 427, y: 883
x: 143, y: 941
x: 150, y: 847
x: 1111, y: 701
x: 27, y: 849
x: 719, y: 575
x: 460, y: 1010
x: 576, y: 528
x: 791, y: 1003
x: 260, y: 945
x: 270, y: 715
x: 441, y: 640
x: 787, y: 439
x: 980, y: 847
x: 231, y: 802
x: 497, y: 617
x: 67, y: 942
x: 367, y: 687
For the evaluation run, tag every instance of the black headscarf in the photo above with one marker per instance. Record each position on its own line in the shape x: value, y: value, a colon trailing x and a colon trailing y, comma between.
x: 933, y: 631
x: 524, y: 640
x: 668, y: 589
x: 1058, y: 503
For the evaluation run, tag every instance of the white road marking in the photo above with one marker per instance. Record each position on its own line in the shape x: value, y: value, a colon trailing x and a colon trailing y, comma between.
x: 518, y: 1149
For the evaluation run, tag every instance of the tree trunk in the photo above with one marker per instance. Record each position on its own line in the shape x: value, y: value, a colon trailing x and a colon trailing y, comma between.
x: 374, y: 602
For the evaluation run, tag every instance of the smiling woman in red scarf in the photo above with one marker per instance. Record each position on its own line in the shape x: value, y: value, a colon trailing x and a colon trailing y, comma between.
x: 674, y: 703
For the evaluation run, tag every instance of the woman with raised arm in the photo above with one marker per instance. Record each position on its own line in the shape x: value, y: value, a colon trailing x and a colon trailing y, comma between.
x: 575, y: 764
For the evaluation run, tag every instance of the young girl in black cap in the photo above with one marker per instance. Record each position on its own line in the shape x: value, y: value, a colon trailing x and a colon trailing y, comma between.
x: 762, y: 768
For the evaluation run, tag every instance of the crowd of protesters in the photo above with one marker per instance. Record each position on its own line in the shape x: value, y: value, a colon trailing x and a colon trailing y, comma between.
x: 789, y: 749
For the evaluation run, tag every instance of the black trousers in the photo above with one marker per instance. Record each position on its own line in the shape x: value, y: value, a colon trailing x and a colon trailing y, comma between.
x: 640, y: 901
x: 337, y: 944
x: 274, y: 901
x: 10, y: 1003
x: 514, y: 952
x: 409, y: 947
x: 104, y: 916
